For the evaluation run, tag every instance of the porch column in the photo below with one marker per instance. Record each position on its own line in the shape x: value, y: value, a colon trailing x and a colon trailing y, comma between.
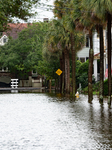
x: 95, y: 69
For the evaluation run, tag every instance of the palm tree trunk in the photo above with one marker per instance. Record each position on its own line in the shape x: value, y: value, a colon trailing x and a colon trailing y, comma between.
x: 101, y: 64
x: 63, y: 73
x: 61, y: 76
x: 67, y: 71
x: 109, y: 57
x: 90, y: 69
x: 73, y: 65
x: 50, y: 86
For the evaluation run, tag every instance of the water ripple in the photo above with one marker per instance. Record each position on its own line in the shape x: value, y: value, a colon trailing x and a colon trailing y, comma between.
x: 49, y: 122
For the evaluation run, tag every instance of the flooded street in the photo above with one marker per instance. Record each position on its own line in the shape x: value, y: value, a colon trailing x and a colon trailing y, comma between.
x: 39, y: 121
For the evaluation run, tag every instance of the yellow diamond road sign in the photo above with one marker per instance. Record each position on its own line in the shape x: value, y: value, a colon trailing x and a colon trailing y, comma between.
x: 59, y: 72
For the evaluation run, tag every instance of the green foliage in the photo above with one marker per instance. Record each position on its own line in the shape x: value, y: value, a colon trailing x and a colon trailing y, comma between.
x: 85, y: 90
x: 96, y: 86
x: 22, y: 55
x: 49, y: 68
x: 106, y: 87
x: 84, y: 67
x: 83, y: 79
x: 78, y: 65
x: 82, y: 74
x: 21, y: 9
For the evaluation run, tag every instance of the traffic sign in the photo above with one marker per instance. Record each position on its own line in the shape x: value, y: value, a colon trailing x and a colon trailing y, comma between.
x: 59, y: 72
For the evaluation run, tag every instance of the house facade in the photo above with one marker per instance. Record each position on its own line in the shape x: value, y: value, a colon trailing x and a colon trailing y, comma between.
x: 83, y: 54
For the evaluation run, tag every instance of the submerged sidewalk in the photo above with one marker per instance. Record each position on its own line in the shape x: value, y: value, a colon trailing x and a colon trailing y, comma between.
x: 22, y: 88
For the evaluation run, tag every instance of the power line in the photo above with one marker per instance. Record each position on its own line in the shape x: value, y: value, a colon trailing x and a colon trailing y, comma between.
x: 68, y: 8
x: 52, y: 7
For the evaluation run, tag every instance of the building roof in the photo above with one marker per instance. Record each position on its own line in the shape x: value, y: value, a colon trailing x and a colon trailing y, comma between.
x: 97, y: 56
x: 14, y: 29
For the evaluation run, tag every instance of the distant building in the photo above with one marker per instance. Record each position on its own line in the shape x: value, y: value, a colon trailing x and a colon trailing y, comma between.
x: 45, y: 20
x: 83, y: 54
x: 5, y: 75
x: 12, y: 31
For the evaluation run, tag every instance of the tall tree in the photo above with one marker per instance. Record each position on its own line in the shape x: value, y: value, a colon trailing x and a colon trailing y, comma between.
x: 23, y: 54
x: 109, y: 56
x: 21, y: 9
x: 101, y: 63
x: 68, y: 22
x: 86, y: 18
x: 82, y: 19
x: 103, y: 10
x: 90, y: 70
x: 58, y: 13
x: 58, y: 40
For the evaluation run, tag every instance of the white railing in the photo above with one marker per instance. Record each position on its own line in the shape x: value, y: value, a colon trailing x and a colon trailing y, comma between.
x: 14, y: 83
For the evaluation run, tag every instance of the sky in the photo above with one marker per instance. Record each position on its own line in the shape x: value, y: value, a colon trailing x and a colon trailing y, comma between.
x: 42, y: 12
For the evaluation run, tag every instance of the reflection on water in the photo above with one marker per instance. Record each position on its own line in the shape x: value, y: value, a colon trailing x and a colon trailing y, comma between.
x: 53, y: 122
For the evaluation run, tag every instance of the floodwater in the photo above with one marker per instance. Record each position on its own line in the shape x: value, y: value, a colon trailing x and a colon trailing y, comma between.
x: 38, y: 121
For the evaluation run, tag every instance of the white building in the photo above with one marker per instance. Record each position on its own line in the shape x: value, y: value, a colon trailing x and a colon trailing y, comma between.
x: 3, y: 40
x: 83, y: 54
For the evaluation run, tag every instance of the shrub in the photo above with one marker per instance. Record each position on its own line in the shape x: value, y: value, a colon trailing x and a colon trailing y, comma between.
x: 96, y: 87
x: 85, y: 90
x: 106, y: 87
x: 83, y: 79
x: 83, y: 67
x: 82, y: 74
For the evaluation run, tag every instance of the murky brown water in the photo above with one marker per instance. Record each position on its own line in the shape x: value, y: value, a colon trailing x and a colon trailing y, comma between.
x: 50, y: 122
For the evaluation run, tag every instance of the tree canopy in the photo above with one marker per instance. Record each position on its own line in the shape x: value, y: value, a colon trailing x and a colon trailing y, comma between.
x: 16, y: 8
x: 23, y: 54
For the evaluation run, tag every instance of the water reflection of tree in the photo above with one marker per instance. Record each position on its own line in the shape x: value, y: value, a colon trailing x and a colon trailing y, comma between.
x: 109, y: 127
x: 99, y: 124
x: 104, y: 128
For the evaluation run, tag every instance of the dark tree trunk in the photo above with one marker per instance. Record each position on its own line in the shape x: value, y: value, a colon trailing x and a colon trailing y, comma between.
x: 73, y: 65
x: 63, y: 73
x: 109, y: 57
x: 50, y: 86
x: 61, y: 76
x: 101, y: 64
x: 90, y: 69
x: 67, y: 71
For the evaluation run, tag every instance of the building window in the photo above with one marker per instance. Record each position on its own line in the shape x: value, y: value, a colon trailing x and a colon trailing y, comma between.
x: 87, y: 58
x: 87, y: 41
x: 82, y: 59
x: 98, y: 35
x: 46, y: 20
x: 4, y: 40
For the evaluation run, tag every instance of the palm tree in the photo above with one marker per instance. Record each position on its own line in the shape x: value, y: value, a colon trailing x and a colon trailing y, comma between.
x: 69, y: 25
x: 109, y: 57
x: 86, y: 19
x: 58, y: 41
x: 101, y: 63
x: 103, y: 10
x: 82, y: 22
x: 65, y: 44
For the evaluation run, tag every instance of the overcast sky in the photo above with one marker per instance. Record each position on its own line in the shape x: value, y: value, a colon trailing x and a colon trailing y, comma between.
x: 42, y: 12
